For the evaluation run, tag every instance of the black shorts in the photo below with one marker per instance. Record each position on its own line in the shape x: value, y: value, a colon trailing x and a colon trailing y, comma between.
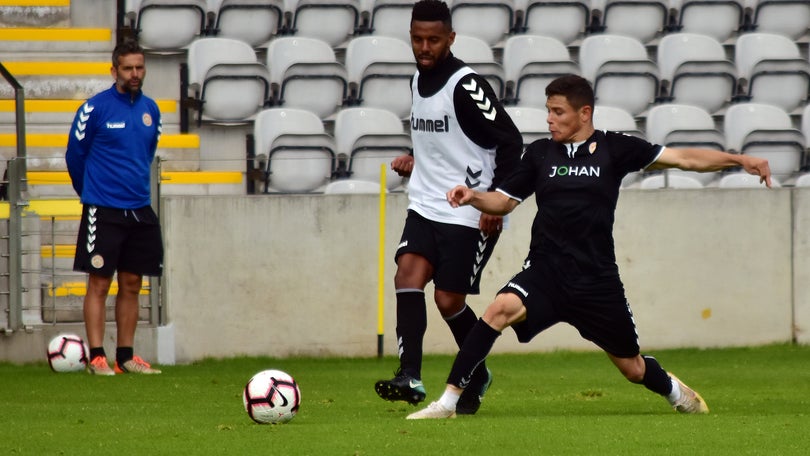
x: 457, y: 253
x: 113, y: 240
x: 595, y: 305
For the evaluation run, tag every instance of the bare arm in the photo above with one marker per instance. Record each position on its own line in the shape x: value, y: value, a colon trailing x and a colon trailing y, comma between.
x: 703, y: 160
x: 493, y: 203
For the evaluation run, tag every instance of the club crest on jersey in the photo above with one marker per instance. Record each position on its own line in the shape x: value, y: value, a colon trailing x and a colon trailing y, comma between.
x: 147, y: 119
x: 592, y: 148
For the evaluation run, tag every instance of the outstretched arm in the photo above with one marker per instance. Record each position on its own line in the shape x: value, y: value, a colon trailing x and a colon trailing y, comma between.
x: 703, y: 160
x: 493, y: 203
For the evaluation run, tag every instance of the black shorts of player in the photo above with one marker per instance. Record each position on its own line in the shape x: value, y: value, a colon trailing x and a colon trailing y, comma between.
x: 457, y: 253
x: 113, y: 240
x: 594, y: 304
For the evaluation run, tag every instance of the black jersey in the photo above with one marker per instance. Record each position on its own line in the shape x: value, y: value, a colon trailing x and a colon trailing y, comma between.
x: 576, y: 193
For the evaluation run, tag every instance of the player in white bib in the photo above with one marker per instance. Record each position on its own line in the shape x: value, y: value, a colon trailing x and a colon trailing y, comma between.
x: 460, y: 133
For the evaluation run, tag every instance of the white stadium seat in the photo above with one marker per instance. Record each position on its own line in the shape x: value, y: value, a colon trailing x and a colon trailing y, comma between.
x: 227, y: 79
x: 306, y: 74
x: 253, y: 21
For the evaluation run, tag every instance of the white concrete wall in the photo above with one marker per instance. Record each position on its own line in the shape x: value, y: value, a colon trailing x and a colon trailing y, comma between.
x: 284, y: 275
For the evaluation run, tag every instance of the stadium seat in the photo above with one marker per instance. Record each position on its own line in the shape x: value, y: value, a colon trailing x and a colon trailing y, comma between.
x: 765, y: 131
x: 802, y: 180
x: 227, y: 80
x: 531, y: 122
x: 254, y: 21
x: 391, y: 18
x: 479, y: 56
x: 643, y: 20
x: 369, y: 138
x: 664, y: 119
x: 531, y: 62
x: 167, y: 25
x: 742, y: 179
x: 484, y: 19
x: 620, y: 71
x: 666, y: 179
x: 565, y: 20
x: 380, y: 70
x: 785, y: 17
x: 681, y: 125
x: 695, y: 70
x: 300, y: 156
x: 805, y: 121
x: 305, y: 74
x: 351, y: 186
x: 720, y: 19
x: 773, y: 68
x: 334, y: 21
x: 612, y: 118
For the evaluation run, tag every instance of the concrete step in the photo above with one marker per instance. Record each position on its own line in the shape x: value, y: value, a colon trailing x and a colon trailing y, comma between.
x: 50, y: 39
x: 46, y: 150
x: 55, y: 77
x: 62, y: 111
x: 34, y: 13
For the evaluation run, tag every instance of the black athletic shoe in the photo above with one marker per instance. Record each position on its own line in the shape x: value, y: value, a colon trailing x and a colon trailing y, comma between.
x: 471, y: 398
x: 402, y: 387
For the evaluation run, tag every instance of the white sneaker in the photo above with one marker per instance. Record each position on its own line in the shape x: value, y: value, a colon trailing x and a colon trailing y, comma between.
x: 432, y: 411
x: 690, y: 401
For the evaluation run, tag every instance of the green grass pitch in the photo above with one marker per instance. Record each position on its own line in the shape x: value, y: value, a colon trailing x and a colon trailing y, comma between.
x: 562, y: 403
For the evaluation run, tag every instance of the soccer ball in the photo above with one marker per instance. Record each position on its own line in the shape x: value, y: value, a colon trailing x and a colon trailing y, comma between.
x: 271, y: 396
x: 67, y: 353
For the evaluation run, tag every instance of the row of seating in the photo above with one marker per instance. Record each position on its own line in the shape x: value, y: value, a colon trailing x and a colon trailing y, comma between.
x: 230, y: 84
x: 167, y: 25
x: 295, y: 152
x: 749, y: 128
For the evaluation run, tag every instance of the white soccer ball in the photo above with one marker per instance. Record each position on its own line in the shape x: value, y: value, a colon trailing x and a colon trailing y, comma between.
x: 271, y: 397
x: 67, y: 353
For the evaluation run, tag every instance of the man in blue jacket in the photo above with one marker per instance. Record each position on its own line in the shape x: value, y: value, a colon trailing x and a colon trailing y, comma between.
x: 111, y: 146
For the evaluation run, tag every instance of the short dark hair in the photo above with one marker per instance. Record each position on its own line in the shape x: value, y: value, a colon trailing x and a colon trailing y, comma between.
x: 576, y: 89
x: 125, y: 47
x: 432, y: 10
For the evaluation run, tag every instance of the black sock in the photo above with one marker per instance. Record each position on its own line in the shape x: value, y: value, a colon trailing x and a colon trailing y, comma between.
x: 411, y: 326
x: 96, y: 352
x: 123, y: 354
x: 460, y: 325
x: 475, y: 349
x: 656, y: 378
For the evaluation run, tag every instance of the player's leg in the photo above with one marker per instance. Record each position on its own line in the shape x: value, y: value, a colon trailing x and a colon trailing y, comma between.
x: 463, y: 255
x: 126, y: 313
x: 141, y: 254
x: 506, y: 310
x: 601, y: 314
x: 413, y: 273
x: 95, y: 316
x: 97, y: 245
x: 647, y: 371
x: 415, y: 257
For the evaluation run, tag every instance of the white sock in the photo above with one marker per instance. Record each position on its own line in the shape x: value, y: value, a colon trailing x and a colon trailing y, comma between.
x: 675, y: 395
x: 449, y: 400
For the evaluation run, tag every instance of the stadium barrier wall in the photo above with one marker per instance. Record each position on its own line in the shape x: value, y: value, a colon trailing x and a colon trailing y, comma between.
x: 297, y: 275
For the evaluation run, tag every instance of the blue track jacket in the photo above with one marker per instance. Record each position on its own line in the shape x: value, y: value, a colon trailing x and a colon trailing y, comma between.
x: 110, y: 149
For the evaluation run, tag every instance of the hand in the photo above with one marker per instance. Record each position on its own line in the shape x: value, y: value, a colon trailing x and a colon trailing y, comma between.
x: 490, y: 224
x: 403, y: 165
x: 460, y: 196
x: 758, y: 167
